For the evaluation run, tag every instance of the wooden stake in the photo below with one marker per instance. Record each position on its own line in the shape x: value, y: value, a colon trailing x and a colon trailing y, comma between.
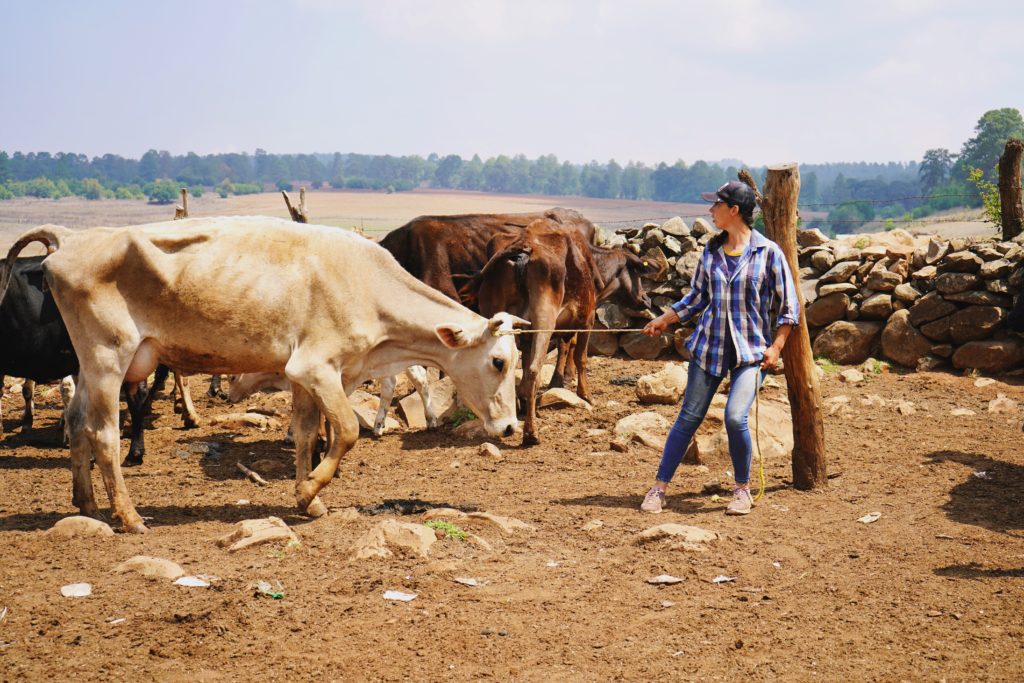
x: 256, y: 478
x: 781, y: 192
x: 1009, y: 189
x: 182, y: 211
x: 299, y: 214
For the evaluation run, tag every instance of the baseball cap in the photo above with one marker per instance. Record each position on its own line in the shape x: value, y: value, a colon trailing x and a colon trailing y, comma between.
x: 734, y: 193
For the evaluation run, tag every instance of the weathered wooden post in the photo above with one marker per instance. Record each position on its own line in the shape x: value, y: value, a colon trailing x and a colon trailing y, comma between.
x: 299, y: 214
x: 778, y: 204
x: 182, y: 211
x: 1009, y: 189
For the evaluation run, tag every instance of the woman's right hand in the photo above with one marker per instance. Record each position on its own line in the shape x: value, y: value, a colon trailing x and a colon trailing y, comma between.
x: 656, y: 327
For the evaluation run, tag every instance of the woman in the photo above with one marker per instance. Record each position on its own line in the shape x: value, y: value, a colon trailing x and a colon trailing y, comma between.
x: 744, y: 288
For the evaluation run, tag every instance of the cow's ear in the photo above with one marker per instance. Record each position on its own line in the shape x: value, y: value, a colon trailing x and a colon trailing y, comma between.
x: 452, y: 336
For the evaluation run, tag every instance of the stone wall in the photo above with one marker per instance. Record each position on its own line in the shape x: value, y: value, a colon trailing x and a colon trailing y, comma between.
x: 923, y: 302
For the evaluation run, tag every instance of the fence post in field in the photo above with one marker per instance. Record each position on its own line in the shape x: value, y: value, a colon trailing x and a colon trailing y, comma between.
x: 182, y: 210
x: 1009, y: 189
x: 778, y: 204
x: 299, y: 214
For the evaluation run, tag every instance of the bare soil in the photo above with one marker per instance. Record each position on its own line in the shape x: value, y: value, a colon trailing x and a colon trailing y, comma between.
x: 931, y: 591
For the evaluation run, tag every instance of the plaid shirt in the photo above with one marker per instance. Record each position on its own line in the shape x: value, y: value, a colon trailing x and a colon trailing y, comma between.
x: 758, y: 297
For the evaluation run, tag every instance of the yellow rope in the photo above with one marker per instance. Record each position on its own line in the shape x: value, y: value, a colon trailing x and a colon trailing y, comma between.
x: 499, y: 333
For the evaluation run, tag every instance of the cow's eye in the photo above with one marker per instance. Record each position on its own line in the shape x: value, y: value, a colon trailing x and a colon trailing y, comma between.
x: 499, y: 364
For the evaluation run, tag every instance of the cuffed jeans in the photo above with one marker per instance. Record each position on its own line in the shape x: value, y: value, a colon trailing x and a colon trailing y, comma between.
x: 700, y: 389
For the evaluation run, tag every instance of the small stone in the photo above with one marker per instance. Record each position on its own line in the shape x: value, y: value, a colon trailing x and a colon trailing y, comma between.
x: 150, y: 567
x: 252, y: 532
x: 78, y: 526
x: 905, y: 408
x: 961, y: 412
x: 982, y: 382
x: 593, y: 525
x: 1002, y: 405
x: 851, y: 376
x: 490, y: 449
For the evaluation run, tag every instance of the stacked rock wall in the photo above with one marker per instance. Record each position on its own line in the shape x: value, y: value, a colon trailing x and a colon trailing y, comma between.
x: 922, y: 302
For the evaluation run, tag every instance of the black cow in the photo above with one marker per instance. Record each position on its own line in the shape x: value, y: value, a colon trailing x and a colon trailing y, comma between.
x: 34, y: 344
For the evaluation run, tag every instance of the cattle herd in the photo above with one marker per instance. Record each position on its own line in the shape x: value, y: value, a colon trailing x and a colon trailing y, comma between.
x: 321, y: 309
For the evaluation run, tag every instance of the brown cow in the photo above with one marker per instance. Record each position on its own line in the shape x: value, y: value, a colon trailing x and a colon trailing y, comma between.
x: 433, y: 248
x: 546, y: 275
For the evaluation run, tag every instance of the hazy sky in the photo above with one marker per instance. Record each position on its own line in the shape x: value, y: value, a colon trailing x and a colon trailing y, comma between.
x: 645, y: 80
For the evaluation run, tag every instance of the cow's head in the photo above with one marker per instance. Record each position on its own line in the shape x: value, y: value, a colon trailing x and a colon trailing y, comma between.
x: 483, y: 365
x: 637, y: 268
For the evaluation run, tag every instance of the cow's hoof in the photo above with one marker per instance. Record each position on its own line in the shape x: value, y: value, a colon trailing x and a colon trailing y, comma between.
x: 132, y: 461
x: 316, y: 508
x: 530, y: 439
x: 189, y: 423
x: 136, y: 528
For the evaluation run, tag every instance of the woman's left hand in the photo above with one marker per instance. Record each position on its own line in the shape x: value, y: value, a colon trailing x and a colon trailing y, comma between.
x: 771, y: 357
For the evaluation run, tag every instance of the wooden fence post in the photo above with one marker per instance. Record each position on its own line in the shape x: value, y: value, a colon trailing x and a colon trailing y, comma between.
x: 781, y: 192
x: 182, y: 211
x: 299, y: 214
x: 1009, y: 189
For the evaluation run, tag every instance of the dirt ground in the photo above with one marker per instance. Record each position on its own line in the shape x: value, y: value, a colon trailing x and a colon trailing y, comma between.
x: 931, y: 591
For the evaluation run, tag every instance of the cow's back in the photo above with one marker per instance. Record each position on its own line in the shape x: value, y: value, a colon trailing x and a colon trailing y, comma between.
x: 240, y: 292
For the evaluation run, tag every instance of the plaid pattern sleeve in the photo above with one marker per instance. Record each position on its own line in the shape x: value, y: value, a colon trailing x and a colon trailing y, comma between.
x: 745, y: 305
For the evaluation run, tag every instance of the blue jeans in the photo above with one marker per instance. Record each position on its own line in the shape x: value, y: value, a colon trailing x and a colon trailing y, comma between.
x: 700, y: 389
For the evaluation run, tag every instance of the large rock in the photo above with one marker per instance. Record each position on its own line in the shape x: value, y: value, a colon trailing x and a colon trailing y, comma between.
x: 978, y: 298
x: 378, y: 541
x: 827, y: 309
x: 902, y: 343
x: 938, y: 330
x: 823, y: 259
x: 876, y: 307
x: 937, y: 248
x: 675, y: 226
x: 951, y: 283
x: 150, y: 567
x: 930, y: 307
x: 811, y: 238
x: 883, y: 280
x: 837, y: 288
x: 993, y: 269
x: 962, y: 262
x: 906, y: 292
x: 78, y: 526
x: 365, y: 406
x: 840, y: 272
x: 611, y: 315
x: 562, y: 398
x: 849, y: 343
x: 252, y: 532
x: 649, y: 422
x: 665, y: 386
x: 639, y: 346
x: 603, y: 343
x: 701, y: 227
x: 990, y: 356
x: 975, y: 323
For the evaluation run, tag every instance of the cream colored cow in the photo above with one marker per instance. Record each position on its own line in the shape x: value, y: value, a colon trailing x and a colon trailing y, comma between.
x: 255, y: 294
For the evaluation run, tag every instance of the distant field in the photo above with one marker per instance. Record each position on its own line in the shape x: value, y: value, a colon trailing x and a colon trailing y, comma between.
x: 374, y: 212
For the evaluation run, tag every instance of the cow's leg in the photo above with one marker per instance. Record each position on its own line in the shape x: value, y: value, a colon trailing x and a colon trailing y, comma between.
x: 417, y: 374
x: 82, y: 495
x: 136, y: 395
x: 387, y: 394
x: 324, y: 384
x: 215, y: 391
x: 159, y: 383
x: 579, y: 355
x: 28, y: 392
x: 305, y: 428
x: 564, y: 351
x: 101, y: 431
x: 67, y: 392
x: 2, y: 378
x: 543, y: 317
x: 189, y: 418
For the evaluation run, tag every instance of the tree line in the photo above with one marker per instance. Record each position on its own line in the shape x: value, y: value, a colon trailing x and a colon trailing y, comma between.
x: 852, y: 193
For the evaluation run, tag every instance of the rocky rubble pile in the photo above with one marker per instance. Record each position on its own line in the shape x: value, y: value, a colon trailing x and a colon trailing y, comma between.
x: 922, y: 302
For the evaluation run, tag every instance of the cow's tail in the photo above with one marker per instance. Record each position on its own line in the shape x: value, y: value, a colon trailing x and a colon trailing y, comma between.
x: 49, y: 235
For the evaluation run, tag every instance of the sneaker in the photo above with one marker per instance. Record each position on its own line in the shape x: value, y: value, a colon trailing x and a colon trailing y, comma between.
x: 741, y: 502
x: 653, y: 501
